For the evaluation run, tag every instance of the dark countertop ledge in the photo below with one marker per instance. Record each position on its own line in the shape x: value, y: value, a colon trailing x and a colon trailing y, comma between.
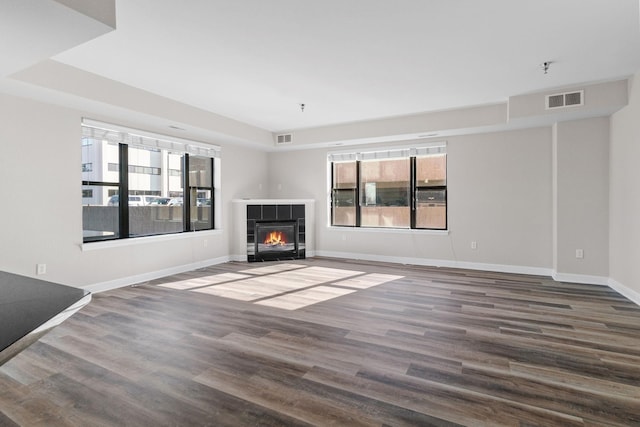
x: 29, y: 307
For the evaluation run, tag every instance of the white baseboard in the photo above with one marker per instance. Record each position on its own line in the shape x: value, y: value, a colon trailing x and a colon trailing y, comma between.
x: 624, y: 291
x: 580, y: 278
x: 501, y: 268
x: 140, y: 278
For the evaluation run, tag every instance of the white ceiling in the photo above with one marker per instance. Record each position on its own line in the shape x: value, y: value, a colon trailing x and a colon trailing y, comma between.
x: 349, y: 60
x: 33, y: 30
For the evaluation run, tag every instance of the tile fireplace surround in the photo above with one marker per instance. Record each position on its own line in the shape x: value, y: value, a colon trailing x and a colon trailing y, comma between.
x: 239, y: 234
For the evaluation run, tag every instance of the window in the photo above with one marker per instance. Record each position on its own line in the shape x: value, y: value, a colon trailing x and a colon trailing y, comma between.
x: 156, y: 201
x: 344, y: 194
x: 399, y: 188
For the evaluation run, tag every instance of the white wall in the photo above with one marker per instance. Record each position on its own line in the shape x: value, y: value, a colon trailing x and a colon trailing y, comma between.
x: 624, y: 229
x: 581, y: 161
x: 499, y: 196
x: 41, y: 220
x: 501, y: 193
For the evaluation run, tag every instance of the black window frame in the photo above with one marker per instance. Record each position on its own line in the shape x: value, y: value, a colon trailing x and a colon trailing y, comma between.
x: 355, y: 191
x: 123, y: 202
x: 190, y: 189
x: 414, y: 189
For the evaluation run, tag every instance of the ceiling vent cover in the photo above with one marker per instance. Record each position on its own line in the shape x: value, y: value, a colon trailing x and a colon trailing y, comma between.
x: 564, y: 100
x: 285, y: 138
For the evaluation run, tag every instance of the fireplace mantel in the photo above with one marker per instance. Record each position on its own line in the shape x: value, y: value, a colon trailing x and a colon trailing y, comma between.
x: 239, y: 231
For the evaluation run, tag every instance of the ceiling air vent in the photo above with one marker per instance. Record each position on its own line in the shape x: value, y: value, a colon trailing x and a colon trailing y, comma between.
x: 284, y: 139
x: 563, y: 100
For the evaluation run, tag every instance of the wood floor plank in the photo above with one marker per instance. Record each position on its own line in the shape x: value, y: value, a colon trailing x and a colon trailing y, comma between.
x: 335, y: 342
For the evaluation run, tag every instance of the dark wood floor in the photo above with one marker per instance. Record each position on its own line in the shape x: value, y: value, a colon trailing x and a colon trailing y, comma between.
x: 436, y: 347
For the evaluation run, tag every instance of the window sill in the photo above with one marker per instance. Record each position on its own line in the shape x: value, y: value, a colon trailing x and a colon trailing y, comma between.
x: 388, y: 230
x: 108, y: 244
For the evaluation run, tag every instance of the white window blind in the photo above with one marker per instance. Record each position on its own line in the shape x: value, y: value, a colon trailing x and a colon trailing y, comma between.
x: 392, y: 153
x: 343, y: 157
x: 122, y: 135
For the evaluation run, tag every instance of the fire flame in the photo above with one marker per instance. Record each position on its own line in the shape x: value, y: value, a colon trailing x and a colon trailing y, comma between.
x: 275, y: 238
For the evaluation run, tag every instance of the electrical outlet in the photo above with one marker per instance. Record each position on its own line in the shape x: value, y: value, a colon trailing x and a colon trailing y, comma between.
x: 474, y: 245
x: 579, y: 253
x: 41, y: 269
x: 205, y: 243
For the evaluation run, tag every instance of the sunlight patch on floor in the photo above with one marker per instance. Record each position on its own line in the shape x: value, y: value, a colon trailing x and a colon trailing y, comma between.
x: 204, y: 281
x: 305, y: 297
x: 369, y: 280
x: 283, y: 285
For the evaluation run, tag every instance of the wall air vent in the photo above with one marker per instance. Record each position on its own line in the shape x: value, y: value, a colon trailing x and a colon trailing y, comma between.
x: 564, y: 100
x: 286, y: 138
x: 573, y: 98
x: 555, y: 101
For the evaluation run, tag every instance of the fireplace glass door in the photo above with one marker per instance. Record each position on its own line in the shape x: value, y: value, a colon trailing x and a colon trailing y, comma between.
x: 276, y: 240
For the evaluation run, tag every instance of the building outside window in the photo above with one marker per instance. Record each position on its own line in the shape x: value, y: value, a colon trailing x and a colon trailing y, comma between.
x: 155, y: 201
x: 398, y: 188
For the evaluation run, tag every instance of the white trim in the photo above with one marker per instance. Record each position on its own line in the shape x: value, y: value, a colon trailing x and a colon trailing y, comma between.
x: 116, y: 243
x: 625, y: 291
x: 501, y: 268
x: 140, y: 278
x: 580, y: 278
x: 387, y: 230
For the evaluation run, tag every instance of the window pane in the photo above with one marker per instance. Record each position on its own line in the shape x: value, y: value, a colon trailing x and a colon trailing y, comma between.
x: 200, y: 171
x: 384, y: 198
x: 344, y: 175
x: 99, y: 161
x: 155, y: 197
x: 431, y: 171
x: 385, y: 216
x: 201, y: 191
x: 100, y: 216
x: 344, y: 207
x: 431, y: 209
x: 201, y: 209
x: 174, y: 162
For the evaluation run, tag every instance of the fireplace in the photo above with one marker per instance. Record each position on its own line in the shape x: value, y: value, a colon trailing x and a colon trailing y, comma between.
x: 275, y: 232
x: 276, y: 240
